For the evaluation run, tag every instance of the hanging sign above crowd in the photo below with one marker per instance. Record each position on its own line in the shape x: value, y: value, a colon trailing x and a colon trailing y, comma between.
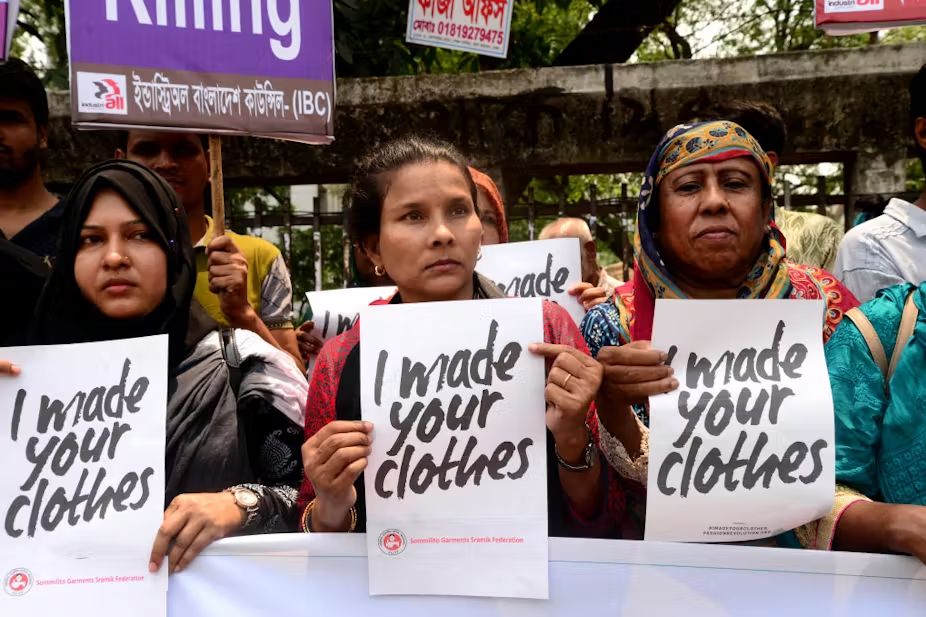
x: 854, y: 16
x: 745, y: 446
x: 478, y: 26
x: 9, y: 10
x: 456, y: 486
x: 538, y: 269
x: 82, y: 489
x: 255, y: 67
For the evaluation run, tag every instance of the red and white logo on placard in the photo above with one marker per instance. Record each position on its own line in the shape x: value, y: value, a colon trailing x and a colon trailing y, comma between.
x: 101, y: 93
x: 392, y: 542
x: 852, y: 6
x: 17, y: 582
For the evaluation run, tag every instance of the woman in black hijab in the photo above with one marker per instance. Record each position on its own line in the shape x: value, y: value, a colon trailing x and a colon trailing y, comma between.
x: 125, y: 269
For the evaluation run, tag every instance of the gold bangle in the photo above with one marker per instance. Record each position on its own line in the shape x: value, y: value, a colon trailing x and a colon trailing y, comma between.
x: 307, y: 518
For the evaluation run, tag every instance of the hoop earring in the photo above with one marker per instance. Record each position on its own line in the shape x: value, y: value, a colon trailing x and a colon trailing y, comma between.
x: 379, y: 270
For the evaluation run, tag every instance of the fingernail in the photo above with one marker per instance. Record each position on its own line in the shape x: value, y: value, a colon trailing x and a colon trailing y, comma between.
x: 532, y: 347
x: 671, y: 371
x: 663, y: 356
x: 673, y: 384
x: 367, y: 426
x: 15, y: 369
x: 152, y: 567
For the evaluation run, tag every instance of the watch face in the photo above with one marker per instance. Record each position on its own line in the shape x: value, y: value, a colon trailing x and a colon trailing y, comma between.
x: 245, y: 498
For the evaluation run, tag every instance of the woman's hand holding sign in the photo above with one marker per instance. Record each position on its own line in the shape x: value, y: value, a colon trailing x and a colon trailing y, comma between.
x: 632, y: 373
x: 588, y: 295
x: 191, y: 523
x: 572, y: 384
x: 573, y: 381
x: 8, y: 368
x: 334, y: 458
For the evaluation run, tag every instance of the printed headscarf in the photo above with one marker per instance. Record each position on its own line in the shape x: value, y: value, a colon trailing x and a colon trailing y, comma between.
x: 485, y: 184
x: 683, y: 145
x: 64, y: 315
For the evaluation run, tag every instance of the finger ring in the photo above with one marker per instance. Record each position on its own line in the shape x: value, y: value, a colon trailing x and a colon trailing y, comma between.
x: 566, y: 381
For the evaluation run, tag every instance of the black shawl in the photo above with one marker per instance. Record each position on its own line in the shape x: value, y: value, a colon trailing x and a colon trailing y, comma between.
x: 23, y: 276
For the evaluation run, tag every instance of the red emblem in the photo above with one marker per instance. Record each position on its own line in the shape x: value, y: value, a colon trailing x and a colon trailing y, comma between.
x: 392, y: 542
x: 17, y: 582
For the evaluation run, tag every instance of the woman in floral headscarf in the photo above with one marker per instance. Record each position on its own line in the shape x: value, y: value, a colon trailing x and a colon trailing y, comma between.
x: 704, y: 230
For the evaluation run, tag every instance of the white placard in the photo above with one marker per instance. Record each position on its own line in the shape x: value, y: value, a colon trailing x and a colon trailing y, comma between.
x: 587, y: 577
x: 538, y: 269
x: 9, y: 11
x: 745, y: 447
x: 82, y: 433
x: 335, y: 311
x: 478, y: 26
x: 456, y: 486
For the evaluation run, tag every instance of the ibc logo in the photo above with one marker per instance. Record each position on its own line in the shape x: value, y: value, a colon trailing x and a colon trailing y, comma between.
x: 101, y: 93
x: 852, y: 6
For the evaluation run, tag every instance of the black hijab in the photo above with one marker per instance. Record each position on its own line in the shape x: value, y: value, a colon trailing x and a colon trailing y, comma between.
x: 64, y: 315
x: 23, y: 276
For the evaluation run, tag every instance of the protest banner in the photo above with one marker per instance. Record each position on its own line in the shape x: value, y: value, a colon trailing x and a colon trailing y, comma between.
x: 538, y: 269
x: 854, y: 16
x: 335, y: 311
x: 261, y: 67
x: 478, y: 26
x: 456, y: 485
x: 9, y: 10
x: 745, y: 446
x: 257, y: 575
x: 82, y: 433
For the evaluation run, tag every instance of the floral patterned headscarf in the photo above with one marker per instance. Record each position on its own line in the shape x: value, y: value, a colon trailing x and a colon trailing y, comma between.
x: 687, y: 144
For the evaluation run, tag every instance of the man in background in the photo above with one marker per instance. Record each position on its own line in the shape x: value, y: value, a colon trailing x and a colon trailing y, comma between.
x: 30, y: 216
x: 891, y: 249
x: 241, y: 281
x: 597, y: 285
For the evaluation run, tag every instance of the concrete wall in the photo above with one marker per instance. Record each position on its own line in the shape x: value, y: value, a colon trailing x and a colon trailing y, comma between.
x: 837, y: 104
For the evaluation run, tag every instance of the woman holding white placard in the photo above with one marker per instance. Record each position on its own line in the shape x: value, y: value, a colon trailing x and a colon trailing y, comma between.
x: 125, y: 269
x: 414, y: 212
x: 705, y: 230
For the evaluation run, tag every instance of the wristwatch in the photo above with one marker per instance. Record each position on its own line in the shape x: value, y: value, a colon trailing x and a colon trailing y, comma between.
x: 247, y: 500
x: 588, y: 456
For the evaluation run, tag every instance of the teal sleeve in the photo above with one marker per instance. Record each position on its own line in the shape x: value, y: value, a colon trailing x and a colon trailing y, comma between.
x: 859, y: 403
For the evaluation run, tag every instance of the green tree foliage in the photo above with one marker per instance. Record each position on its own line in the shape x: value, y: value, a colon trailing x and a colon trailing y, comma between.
x: 370, y: 38
x: 42, y: 40
x: 708, y: 28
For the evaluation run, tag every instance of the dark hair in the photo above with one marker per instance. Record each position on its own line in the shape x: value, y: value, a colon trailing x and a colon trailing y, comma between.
x: 371, y: 177
x: 918, y: 108
x: 762, y: 120
x: 18, y: 81
x: 124, y: 141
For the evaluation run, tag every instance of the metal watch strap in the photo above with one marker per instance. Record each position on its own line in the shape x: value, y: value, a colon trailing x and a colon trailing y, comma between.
x: 252, y: 512
x: 588, y: 456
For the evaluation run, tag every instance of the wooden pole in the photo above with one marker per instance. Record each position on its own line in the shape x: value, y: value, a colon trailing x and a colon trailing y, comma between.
x: 348, y: 248
x: 530, y: 213
x: 317, y: 236
x: 218, y: 186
